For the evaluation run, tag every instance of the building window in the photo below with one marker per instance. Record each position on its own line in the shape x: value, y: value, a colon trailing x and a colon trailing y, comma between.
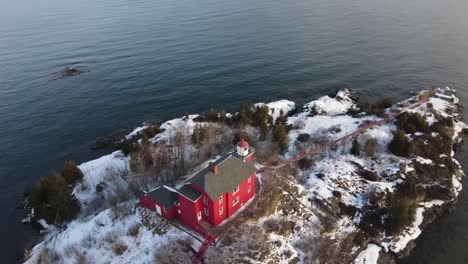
x: 250, y: 179
x: 220, y: 200
x: 176, y: 203
x: 221, y: 211
x: 199, y: 216
x: 205, y: 200
x: 248, y: 190
x: 179, y: 211
x: 206, y: 211
x: 235, y: 190
x: 236, y: 201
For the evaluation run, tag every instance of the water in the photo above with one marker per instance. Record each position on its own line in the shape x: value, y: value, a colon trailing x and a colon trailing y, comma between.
x: 152, y: 60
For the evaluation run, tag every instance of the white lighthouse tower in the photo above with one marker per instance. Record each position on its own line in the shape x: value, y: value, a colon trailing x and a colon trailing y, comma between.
x: 243, y: 148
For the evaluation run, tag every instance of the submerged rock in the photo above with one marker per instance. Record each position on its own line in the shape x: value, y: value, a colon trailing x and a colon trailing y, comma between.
x: 70, y: 71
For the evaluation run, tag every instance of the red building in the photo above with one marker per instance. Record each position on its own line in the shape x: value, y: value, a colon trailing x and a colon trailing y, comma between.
x: 213, y: 194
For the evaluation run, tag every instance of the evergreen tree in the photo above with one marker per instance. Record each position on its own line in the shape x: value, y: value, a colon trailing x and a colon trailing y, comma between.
x: 212, y: 115
x: 222, y: 117
x: 400, y: 145
x: 128, y: 147
x: 280, y: 135
x: 71, y: 172
x: 356, y: 148
x: 53, y: 201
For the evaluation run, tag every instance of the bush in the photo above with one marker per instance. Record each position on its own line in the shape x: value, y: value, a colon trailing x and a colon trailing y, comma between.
x: 152, y: 130
x: 119, y: 247
x: 129, y: 147
x: 370, y: 147
x: 133, y: 230
x: 356, y: 148
x: 212, y: 115
x: 377, y: 108
x: 369, y: 175
x: 412, y: 123
x: 303, y: 138
x: 71, y: 172
x: 53, y: 201
x: 401, y: 213
x: 409, y: 188
x: 400, y: 145
x: 305, y: 163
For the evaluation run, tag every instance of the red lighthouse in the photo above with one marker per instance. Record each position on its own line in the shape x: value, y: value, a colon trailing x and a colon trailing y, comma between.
x: 213, y: 194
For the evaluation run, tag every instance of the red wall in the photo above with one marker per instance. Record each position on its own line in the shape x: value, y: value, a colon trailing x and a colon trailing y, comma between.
x: 243, y: 195
x: 189, y: 210
x: 150, y: 203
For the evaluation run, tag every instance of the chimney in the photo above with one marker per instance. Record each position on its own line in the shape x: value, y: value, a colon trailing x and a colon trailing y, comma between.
x: 214, y: 168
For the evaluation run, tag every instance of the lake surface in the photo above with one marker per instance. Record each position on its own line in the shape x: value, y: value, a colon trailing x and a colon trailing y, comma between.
x: 152, y: 60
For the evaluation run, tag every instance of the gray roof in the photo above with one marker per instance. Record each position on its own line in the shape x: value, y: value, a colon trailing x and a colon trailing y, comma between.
x: 189, y: 192
x: 163, y: 196
x: 232, y: 171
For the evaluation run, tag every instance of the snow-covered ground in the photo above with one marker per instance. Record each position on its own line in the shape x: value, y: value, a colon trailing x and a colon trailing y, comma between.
x: 106, y: 236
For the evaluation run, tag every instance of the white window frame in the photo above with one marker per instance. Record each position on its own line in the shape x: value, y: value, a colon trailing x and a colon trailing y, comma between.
x: 205, y: 200
x: 250, y: 179
x: 236, y: 190
x: 220, y: 199
x: 205, y: 210
x: 236, y: 201
x: 199, y: 216
x: 221, y: 211
x: 248, y: 189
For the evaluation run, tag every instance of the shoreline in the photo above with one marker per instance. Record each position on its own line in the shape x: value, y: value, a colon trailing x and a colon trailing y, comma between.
x: 168, y: 126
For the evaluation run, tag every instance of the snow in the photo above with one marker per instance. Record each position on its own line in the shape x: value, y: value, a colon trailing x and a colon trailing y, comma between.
x: 370, y: 255
x: 92, y: 236
x: 136, y: 131
x: 422, y: 160
x: 101, y: 170
x: 326, y: 105
x: 324, y: 120
x: 276, y: 107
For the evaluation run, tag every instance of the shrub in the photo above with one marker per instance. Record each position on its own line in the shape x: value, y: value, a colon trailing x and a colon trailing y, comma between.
x: 401, y: 213
x: 52, y: 200
x: 305, y: 163
x: 71, y: 172
x: 133, y: 230
x: 129, y: 147
x: 409, y: 188
x: 222, y: 117
x: 400, y: 145
x: 377, y: 108
x: 411, y: 123
x: 370, y: 147
x: 119, y: 247
x: 212, y: 115
x: 444, y: 127
x: 356, y: 148
x: 371, y: 221
x: 303, y: 138
x: 152, y: 130
x: 369, y: 175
